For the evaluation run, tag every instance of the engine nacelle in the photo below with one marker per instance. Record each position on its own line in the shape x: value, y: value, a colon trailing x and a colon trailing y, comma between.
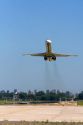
x: 45, y: 58
x: 54, y: 58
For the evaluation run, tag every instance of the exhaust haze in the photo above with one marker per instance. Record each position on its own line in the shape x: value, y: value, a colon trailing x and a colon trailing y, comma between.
x: 52, y: 76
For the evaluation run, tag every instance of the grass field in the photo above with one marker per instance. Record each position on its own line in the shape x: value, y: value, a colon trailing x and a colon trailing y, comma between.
x: 39, y: 123
x: 80, y: 103
x: 4, y: 102
x: 8, y: 102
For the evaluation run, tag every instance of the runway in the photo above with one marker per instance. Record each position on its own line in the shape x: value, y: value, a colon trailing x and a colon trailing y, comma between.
x: 41, y: 113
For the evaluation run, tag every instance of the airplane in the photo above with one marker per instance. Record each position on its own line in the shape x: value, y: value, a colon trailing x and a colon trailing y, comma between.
x: 49, y: 55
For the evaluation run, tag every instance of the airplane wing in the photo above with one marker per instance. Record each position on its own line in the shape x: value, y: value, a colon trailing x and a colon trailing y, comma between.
x: 63, y: 55
x: 35, y: 54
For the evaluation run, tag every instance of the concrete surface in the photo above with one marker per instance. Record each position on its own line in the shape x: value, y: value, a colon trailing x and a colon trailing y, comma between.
x: 41, y: 113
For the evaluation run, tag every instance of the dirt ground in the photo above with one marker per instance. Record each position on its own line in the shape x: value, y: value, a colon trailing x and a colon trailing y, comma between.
x: 41, y: 113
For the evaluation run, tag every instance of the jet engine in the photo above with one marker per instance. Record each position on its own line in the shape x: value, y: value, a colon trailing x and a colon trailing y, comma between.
x: 54, y: 58
x: 45, y: 58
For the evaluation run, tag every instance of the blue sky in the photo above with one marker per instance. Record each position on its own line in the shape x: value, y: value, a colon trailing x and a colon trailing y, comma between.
x: 24, y: 27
